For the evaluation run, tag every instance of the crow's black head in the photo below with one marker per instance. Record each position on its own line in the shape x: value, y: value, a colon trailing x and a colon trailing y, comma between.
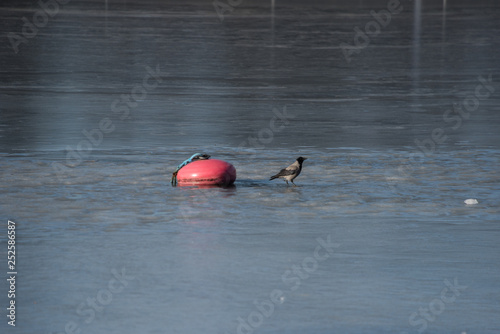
x: 301, y: 160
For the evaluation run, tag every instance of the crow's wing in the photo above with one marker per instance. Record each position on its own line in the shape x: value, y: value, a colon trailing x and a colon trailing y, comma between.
x: 287, y: 171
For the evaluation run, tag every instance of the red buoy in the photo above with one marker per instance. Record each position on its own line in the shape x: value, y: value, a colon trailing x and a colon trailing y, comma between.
x: 207, y: 172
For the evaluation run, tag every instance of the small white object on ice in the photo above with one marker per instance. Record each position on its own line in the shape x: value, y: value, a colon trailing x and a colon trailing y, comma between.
x: 471, y: 201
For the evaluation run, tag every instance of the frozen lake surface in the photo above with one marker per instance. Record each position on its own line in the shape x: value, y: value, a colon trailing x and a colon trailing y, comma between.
x: 99, y: 107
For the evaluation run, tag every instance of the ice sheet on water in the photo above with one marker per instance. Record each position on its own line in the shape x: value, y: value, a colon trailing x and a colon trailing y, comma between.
x: 338, y: 183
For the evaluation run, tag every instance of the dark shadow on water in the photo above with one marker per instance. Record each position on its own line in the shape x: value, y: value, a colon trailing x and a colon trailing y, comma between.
x: 280, y: 185
x: 252, y: 183
x: 228, y: 188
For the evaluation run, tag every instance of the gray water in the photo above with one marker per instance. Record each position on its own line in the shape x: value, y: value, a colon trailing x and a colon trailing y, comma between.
x: 108, y: 97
